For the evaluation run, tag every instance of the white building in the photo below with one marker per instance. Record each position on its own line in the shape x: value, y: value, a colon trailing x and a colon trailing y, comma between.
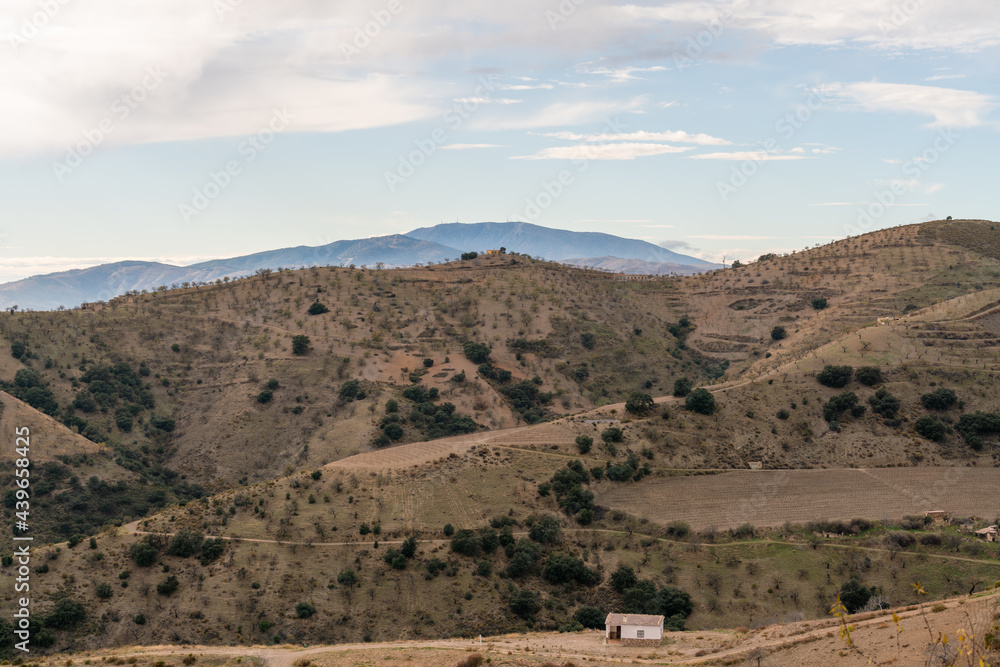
x: 633, y: 629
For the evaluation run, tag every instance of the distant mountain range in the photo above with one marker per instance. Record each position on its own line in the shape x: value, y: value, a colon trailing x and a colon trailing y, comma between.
x: 421, y: 246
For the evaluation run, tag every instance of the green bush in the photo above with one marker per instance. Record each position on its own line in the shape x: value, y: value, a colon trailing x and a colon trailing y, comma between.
x: 783, y: 414
x: 168, y: 586
x: 683, y: 386
x: 525, y: 604
x: 939, y: 399
x: 930, y: 427
x: 612, y: 434
x: 836, y: 377
x: 304, y: 610
x: 300, y: 344
x: 778, y: 333
x: 885, y: 404
x: 590, y: 617
x: 639, y: 403
x: 449, y: 530
x: 318, y: 308
x: 819, y: 303
x: 701, y: 401
x: 104, y: 590
x: 588, y: 340
x: 839, y: 404
x: 66, y: 613
x: 477, y: 353
x: 584, y: 443
x: 265, y: 396
x: 868, y: 375
x: 469, y: 255
x: 854, y: 595
x: 185, y: 543
x: 143, y: 553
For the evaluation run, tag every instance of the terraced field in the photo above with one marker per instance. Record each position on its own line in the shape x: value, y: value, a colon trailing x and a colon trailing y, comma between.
x: 772, y: 497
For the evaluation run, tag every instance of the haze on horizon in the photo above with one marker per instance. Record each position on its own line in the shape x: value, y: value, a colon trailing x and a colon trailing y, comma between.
x: 183, y: 130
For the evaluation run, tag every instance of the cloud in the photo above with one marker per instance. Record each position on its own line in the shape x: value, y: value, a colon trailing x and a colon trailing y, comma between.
x: 466, y: 147
x: 486, y: 100
x: 675, y: 136
x: 949, y: 107
x: 754, y: 156
x: 624, y: 151
x: 17, y: 268
x: 579, y: 112
x: 678, y: 246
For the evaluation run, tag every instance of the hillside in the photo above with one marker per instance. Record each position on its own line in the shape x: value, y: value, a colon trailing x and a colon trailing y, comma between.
x: 289, y: 397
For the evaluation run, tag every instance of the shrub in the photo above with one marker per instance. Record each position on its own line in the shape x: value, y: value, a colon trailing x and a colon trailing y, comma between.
x: 930, y: 427
x: 623, y: 578
x: 931, y: 540
x: 143, y: 553
x: 868, y: 375
x: 835, y: 376
x: 973, y: 427
x: 639, y: 403
x: 819, y: 303
x: 590, y: 617
x: 391, y: 406
x: 854, y: 595
x: 885, y: 404
x: 347, y: 578
x: 66, y: 613
x: 562, y: 569
x: 104, y: 591
x: 304, y: 610
x: 474, y: 660
x: 477, y: 353
x: 584, y: 443
x: 265, y: 396
x: 300, y: 344
x: 900, y: 539
x: 683, y: 386
x: 612, y: 434
x: 525, y: 604
x: 588, y: 340
x: 139, y: 619
x: 185, y: 543
x: 212, y: 550
x: 428, y: 363
x: 545, y: 531
x: 317, y: 308
x: 701, y: 401
x: 778, y: 333
x: 349, y: 390
x: 469, y: 255
x: 449, y: 530
x: 939, y: 399
x: 839, y: 404
x: 783, y: 414
x: 168, y: 586
x: 467, y: 542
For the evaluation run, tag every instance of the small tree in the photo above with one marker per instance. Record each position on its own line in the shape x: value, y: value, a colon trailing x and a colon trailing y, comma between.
x: 819, y: 303
x: 318, y: 308
x: 300, y: 344
x: 779, y: 333
x: 939, y: 399
x: 612, y: 434
x: 701, y: 401
x: 168, y: 586
x: 525, y: 604
x: 683, y: 386
x: 836, y: 377
x: 930, y: 427
x: 304, y: 610
x: 584, y: 443
x: 639, y: 403
x: 347, y: 578
x: 477, y: 353
x: 868, y: 375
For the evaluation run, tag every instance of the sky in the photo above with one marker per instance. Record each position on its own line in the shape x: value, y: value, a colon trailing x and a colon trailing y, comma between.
x: 183, y: 130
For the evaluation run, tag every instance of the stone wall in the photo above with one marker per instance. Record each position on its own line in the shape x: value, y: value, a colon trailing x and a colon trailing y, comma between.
x: 630, y: 641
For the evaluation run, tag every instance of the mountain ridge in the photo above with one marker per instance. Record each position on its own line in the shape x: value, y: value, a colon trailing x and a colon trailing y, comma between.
x: 70, y: 289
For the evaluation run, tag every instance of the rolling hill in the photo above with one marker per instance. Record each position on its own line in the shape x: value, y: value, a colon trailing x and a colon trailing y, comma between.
x: 315, y: 419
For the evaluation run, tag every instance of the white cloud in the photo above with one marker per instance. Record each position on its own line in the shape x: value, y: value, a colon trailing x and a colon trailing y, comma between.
x: 624, y: 151
x: 486, y: 100
x: 17, y: 268
x: 675, y: 136
x: 754, y: 156
x: 559, y: 114
x: 466, y: 147
x: 948, y: 106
